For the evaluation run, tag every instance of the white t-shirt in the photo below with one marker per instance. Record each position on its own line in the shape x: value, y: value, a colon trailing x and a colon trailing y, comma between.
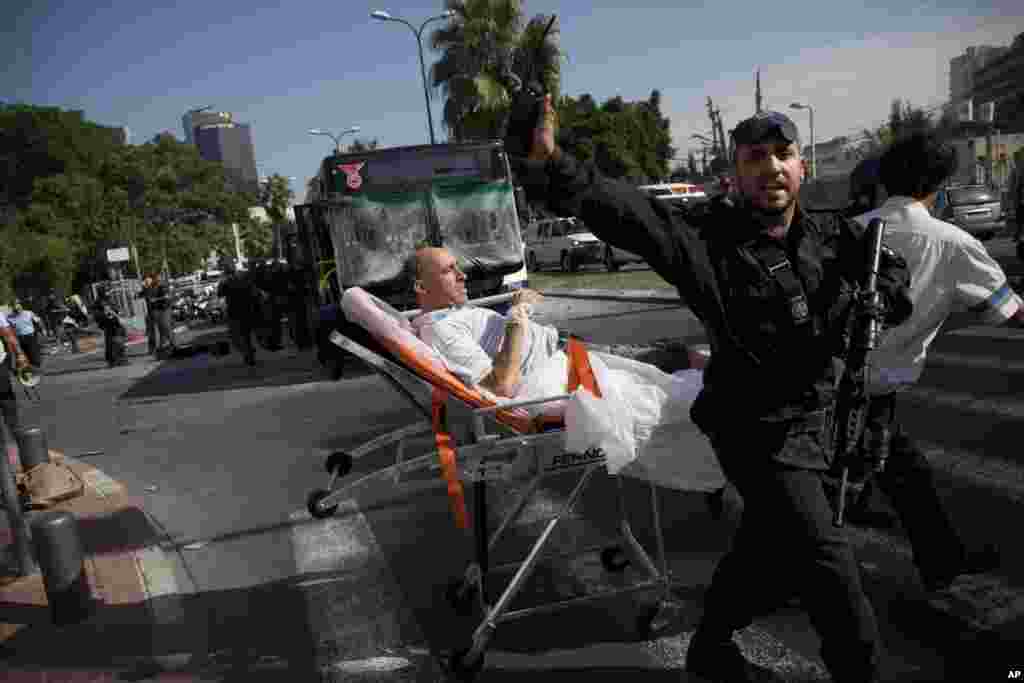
x: 469, y: 337
x: 950, y: 272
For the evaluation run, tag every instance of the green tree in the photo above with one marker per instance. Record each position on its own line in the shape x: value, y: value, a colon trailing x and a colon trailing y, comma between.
x: 360, y: 146
x: 37, y: 142
x: 75, y: 189
x: 482, y: 41
x: 625, y: 139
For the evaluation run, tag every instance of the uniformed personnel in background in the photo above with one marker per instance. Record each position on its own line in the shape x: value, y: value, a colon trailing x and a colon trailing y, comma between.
x: 159, y: 328
x: 772, y: 286
x: 144, y: 294
x: 56, y: 311
x: 278, y: 286
x: 115, y: 336
x: 242, y: 303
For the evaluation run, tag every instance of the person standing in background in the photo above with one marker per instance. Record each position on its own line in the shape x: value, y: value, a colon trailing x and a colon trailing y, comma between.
x: 1017, y: 199
x: 146, y: 294
x: 27, y: 326
x: 158, y: 303
x: 242, y: 300
x: 114, y: 334
x: 14, y: 358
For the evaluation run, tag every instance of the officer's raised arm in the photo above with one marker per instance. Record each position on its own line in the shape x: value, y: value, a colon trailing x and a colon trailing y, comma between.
x: 615, y: 211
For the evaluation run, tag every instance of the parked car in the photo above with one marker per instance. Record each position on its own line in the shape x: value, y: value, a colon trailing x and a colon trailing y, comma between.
x: 561, y: 242
x: 977, y: 209
x: 676, y: 193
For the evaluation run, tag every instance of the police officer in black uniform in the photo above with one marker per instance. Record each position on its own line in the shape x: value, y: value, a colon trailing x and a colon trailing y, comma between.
x: 771, y: 286
x: 242, y: 298
x: 114, y: 334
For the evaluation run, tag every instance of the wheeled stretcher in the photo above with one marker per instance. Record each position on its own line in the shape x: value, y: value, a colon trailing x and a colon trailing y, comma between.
x: 481, y: 443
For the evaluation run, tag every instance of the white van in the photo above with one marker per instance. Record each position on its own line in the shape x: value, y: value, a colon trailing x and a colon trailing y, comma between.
x: 566, y: 243
x: 675, y: 192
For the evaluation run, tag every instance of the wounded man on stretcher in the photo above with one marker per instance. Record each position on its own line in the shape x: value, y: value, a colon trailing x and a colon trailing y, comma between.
x: 641, y: 411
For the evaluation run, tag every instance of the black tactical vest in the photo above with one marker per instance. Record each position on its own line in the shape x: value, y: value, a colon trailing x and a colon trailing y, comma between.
x: 783, y: 303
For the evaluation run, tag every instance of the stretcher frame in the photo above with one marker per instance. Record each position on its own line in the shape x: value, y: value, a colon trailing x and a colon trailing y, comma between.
x: 487, y: 456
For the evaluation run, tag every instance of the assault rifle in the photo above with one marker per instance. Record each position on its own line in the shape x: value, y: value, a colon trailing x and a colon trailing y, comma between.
x: 851, y: 405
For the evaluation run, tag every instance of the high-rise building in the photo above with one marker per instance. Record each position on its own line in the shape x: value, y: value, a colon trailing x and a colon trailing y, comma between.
x: 195, y: 119
x: 163, y: 135
x: 999, y: 89
x: 963, y: 71
x: 230, y: 144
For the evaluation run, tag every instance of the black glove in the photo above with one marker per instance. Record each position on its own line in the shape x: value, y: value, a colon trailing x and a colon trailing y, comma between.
x: 523, y: 118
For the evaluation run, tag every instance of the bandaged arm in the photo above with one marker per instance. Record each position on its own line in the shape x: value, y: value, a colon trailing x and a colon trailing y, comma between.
x: 506, y: 372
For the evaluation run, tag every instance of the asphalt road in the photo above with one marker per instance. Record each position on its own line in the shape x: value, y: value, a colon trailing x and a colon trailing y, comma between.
x: 225, y: 456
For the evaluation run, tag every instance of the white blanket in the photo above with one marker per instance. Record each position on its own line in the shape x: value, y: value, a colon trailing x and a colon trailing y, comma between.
x: 642, y: 421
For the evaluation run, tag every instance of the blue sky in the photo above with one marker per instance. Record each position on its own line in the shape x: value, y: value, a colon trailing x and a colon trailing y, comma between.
x: 288, y: 67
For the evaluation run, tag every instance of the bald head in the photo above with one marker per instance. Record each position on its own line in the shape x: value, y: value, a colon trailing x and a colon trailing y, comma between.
x: 439, y: 282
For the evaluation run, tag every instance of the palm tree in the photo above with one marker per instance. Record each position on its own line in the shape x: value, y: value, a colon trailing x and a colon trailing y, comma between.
x: 483, y: 40
x: 872, y: 142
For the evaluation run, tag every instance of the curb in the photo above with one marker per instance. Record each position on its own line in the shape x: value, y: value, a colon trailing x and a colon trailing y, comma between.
x: 130, y: 577
x: 665, y: 296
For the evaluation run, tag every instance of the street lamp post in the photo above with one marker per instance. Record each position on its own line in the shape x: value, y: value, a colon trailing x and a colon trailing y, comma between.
x: 336, y: 138
x: 814, y: 160
x: 385, y: 16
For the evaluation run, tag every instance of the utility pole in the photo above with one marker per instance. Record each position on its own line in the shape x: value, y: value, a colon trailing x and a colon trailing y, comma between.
x: 721, y: 135
x: 757, y: 93
x: 714, y: 127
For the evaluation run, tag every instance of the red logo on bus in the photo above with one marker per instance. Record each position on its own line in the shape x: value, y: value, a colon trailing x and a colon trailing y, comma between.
x: 353, y: 179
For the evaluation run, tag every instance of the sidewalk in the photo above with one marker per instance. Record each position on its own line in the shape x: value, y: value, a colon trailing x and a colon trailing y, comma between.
x: 132, y: 582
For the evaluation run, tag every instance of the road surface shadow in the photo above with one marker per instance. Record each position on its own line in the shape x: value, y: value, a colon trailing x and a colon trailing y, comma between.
x: 219, y: 635
x: 204, y: 372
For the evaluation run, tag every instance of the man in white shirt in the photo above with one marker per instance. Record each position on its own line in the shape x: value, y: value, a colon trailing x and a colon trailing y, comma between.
x: 951, y: 275
x: 480, y: 346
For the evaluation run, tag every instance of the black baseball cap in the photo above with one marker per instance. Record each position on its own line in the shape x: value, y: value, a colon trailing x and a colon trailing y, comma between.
x: 765, y: 124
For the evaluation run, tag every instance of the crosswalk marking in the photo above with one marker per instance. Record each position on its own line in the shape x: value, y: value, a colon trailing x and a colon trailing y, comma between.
x: 339, y: 543
x: 974, y: 362
x: 1004, y: 407
x: 991, y: 332
x: 997, y: 475
x: 983, y: 602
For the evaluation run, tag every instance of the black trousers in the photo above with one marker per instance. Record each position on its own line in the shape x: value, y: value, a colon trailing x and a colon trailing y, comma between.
x: 163, y: 327
x: 241, y: 330
x: 787, y: 541
x: 151, y: 340
x: 909, y: 486
x: 114, y: 341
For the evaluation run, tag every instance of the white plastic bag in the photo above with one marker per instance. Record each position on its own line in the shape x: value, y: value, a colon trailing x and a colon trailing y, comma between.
x: 607, y: 422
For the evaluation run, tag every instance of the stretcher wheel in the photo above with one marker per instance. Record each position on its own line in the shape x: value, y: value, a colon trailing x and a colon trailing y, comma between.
x: 340, y: 461
x: 461, y: 670
x: 614, y: 559
x: 461, y: 597
x: 645, y: 623
x: 315, y: 509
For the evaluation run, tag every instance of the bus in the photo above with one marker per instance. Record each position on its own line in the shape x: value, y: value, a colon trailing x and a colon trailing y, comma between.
x: 370, y: 209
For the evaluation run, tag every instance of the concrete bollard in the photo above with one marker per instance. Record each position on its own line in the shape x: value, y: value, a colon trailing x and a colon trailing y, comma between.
x: 10, y: 502
x: 31, y: 447
x: 62, y: 563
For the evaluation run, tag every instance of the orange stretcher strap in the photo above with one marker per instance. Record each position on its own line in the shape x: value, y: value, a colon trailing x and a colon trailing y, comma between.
x: 580, y: 371
x: 446, y: 455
